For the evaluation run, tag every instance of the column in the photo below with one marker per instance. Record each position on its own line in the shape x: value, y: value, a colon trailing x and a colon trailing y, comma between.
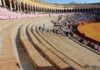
x: 20, y: 9
x: 31, y: 8
x: 4, y: 5
x: 17, y: 6
x: 24, y: 8
x: 28, y: 8
x: 14, y: 5
x: 10, y: 3
x: 34, y: 8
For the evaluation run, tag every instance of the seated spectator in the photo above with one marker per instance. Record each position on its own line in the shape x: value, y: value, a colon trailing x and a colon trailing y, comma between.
x: 92, y: 45
x: 39, y: 27
x: 88, y: 43
x: 96, y: 46
x: 99, y: 46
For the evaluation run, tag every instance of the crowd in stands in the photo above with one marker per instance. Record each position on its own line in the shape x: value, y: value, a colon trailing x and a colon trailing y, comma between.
x: 67, y: 26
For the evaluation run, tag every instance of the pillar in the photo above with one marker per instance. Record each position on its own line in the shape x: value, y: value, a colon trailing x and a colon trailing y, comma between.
x: 14, y: 2
x: 24, y: 10
x: 10, y: 3
x: 20, y: 9
x: 28, y: 7
x: 4, y: 5
x: 17, y: 6
x: 34, y: 9
x: 31, y: 8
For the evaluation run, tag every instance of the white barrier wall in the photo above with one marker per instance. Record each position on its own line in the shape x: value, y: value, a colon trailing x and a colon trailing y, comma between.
x: 6, y: 14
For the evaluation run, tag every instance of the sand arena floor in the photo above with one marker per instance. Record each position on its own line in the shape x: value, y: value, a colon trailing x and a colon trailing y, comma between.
x: 91, y: 30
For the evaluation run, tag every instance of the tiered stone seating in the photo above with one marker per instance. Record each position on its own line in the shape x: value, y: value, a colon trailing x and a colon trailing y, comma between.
x: 38, y: 61
x: 57, y: 49
x: 50, y: 56
x: 61, y: 48
x: 65, y: 46
x: 59, y: 54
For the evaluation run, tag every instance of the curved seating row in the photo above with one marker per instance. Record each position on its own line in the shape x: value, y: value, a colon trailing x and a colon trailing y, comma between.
x: 58, y: 49
x: 38, y: 61
x: 71, y: 49
x: 41, y: 56
x: 50, y: 56
x: 63, y: 48
x: 54, y: 52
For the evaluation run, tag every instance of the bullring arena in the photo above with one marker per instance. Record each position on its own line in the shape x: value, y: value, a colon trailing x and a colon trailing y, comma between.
x: 32, y: 39
x: 91, y: 30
